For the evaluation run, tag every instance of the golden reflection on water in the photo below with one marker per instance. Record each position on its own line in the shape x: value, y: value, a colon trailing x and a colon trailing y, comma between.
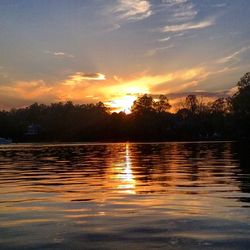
x: 136, y: 190
x: 123, y: 173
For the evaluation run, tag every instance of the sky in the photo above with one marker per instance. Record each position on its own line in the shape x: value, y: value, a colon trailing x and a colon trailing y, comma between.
x: 88, y: 51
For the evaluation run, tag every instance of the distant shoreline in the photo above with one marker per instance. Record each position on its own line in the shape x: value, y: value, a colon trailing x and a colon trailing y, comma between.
x: 120, y: 142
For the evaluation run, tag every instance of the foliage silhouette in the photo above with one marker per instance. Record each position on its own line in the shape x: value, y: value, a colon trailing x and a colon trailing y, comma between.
x: 241, y: 107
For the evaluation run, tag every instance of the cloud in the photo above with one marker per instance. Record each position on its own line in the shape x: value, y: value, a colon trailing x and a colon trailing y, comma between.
x: 164, y: 39
x: 234, y: 56
x: 180, y: 10
x: 62, y: 54
x: 219, y: 5
x: 188, y: 26
x: 181, y: 15
x: 214, y: 95
x: 174, y: 2
x: 29, y: 89
x: 132, y: 10
x: 187, y: 12
x: 80, y: 77
x: 169, y: 82
x: 59, y: 54
x: 21, y: 93
x: 152, y: 52
x: 76, y: 87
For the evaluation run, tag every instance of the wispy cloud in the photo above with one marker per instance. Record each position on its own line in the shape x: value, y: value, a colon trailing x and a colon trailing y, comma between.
x: 164, y: 39
x: 234, y: 56
x: 174, y: 2
x: 189, y: 26
x: 59, y: 54
x: 180, y: 10
x: 154, y: 51
x: 219, y: 5
x: 168, y: 82
x: 182, y: 16
x: 187, y: 12
x: 132, y: 10
x: 80, y: 77
x: 199, y: 93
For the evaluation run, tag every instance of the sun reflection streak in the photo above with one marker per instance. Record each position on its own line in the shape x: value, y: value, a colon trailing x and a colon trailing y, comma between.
x: 126, y: 176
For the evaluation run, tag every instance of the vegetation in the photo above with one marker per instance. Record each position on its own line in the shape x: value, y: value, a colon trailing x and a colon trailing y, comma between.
x: 225, y: 118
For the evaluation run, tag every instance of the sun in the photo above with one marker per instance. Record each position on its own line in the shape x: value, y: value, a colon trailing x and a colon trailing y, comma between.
x: 123, y: 104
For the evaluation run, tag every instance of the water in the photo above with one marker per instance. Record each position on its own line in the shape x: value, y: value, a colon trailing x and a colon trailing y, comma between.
x: 125, y: 196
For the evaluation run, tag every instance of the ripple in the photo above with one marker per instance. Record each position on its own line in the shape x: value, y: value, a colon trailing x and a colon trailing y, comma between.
x: 111, y: 196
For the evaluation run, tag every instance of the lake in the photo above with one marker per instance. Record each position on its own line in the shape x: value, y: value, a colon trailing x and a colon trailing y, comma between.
x: 125, y: 196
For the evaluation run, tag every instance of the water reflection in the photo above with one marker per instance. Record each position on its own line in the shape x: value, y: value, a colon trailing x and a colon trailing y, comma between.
x: 125, y: 174
x: 141, y: 195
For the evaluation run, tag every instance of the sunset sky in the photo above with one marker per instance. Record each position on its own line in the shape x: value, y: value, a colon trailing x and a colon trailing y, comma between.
x: 113, y: 50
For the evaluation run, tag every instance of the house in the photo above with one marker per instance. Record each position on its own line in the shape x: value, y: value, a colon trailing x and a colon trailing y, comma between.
x: 33, y: 129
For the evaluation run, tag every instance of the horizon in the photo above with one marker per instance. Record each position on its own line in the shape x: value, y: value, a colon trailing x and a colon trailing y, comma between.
x: 113, y: 51
x: 176, y: 101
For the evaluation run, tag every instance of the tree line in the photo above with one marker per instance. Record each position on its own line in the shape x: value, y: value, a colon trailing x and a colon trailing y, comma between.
x: 150, y: 119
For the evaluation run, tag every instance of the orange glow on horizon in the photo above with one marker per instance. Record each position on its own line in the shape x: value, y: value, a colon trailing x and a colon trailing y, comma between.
x: 123, y: 104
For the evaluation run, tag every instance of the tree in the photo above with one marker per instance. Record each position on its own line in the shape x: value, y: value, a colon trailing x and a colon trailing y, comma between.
x: 162, y: 105
x: 191, y: 103
x: 244, y: 82
x: 240, y: 103
x: 220, y: 106
x: 241, y: 100
x: 143, y: 104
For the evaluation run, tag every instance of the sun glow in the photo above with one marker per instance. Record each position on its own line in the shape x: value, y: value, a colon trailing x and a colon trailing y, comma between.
x: 123, y: 104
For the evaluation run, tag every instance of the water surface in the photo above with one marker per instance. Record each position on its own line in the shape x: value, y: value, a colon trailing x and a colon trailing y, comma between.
x: 125, y: 196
